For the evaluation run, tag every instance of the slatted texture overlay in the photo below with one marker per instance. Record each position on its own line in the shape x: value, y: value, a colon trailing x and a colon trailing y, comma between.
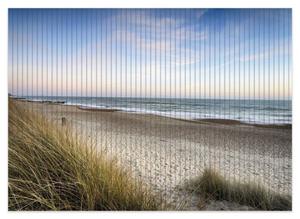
x: 167, y: 93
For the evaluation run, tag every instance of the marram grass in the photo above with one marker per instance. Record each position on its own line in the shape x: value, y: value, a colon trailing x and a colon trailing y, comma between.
x: 49, y: 170
x: 212, y: 186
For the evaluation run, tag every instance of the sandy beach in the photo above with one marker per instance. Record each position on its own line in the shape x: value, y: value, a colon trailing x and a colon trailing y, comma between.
x: 165, y: 153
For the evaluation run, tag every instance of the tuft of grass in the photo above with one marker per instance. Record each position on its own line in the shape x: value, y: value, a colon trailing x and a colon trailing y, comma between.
x: 49, y: 170
x: 213, y: 186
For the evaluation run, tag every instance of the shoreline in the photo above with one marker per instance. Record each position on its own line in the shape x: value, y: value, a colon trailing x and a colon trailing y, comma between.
x: 198, y: 120
x: 237, y: 122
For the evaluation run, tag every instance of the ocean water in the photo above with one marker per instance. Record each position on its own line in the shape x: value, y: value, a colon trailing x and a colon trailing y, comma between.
x: 245, y: 110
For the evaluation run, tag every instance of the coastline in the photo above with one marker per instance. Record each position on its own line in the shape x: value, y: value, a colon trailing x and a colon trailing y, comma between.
x: 166, y: 153
x: 220, y: 121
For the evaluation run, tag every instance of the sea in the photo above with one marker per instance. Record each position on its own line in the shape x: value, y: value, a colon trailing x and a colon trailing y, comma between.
x: 243, y: 110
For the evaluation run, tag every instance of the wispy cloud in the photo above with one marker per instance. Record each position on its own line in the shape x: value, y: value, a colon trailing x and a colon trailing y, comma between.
x: 281, y: 48
x: 160, y: 33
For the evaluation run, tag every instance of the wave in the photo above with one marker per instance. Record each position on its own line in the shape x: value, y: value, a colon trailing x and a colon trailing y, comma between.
x: 274, y: 109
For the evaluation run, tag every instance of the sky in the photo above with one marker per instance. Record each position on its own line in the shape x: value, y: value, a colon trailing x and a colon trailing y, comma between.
x: 177, y: 53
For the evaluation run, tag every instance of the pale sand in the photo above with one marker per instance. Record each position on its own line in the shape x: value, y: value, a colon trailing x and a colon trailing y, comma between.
x: 165, y: 153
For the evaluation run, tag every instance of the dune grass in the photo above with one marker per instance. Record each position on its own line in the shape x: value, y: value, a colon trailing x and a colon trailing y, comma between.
x: 49, y: 170
x: 212, y: 186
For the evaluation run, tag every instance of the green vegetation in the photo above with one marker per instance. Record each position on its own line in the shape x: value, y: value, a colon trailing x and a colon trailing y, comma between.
x: 213, y: 186
x: 49, y: 170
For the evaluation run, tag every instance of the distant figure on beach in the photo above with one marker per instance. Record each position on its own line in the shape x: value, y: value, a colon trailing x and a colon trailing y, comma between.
x: 63, y: 121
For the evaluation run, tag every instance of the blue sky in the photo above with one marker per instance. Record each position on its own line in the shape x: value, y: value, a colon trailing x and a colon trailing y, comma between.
x: 186, y: 53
